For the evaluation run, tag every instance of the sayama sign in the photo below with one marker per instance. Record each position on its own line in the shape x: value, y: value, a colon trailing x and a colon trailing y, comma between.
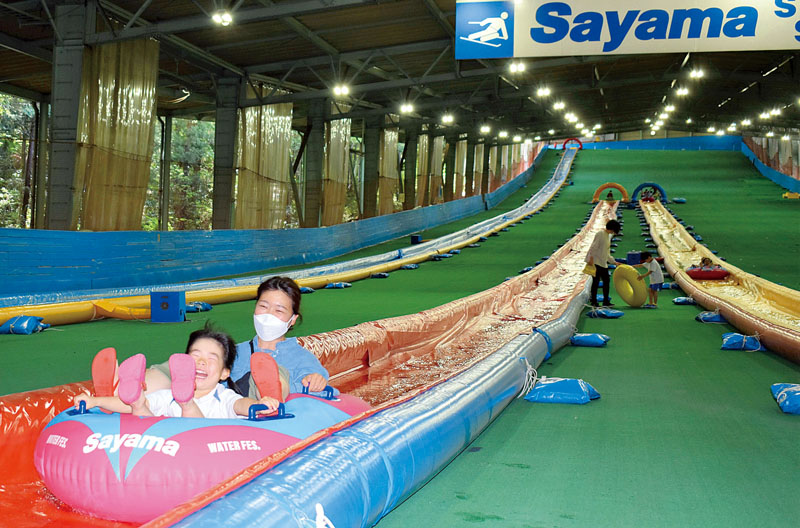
x: 487, y: 29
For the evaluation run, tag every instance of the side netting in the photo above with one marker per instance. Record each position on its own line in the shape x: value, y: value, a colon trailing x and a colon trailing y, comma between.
x: 361, y: 473
x: 200, y: 246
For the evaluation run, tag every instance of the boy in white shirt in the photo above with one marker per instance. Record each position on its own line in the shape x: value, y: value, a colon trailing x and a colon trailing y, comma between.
x: 656, y: 280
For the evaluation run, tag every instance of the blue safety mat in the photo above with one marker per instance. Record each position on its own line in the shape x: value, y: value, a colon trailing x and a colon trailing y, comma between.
x: 562, y: 390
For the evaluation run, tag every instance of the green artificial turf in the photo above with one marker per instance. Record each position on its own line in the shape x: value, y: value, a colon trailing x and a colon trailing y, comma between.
x: 684, y: 434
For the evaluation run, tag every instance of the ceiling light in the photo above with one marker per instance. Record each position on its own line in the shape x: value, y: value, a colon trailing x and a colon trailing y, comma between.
x: 689, y: 120
x: 517, y: 139
x: 485, y: 129
x: 746, y: 122
x: 711, y: 129
x: 647, y: 120
x: 770, y: 133
x: 579, y: 125
x: 659, y: 123
x: 341, y: 89
x: 663, y: 115
x: 764, y: 115
x: 597, y: 125
x: 696, y: 74
x: 682, y: 91
x: 529, y: 141
x: 538, y: 138
x: 447, y: 118
x: 222, y: 17
x: 720, y: 132
x: 406, y: 108
x: 551, y: 131
x: 559, y: 105
x: 669, y: 108
x: 775, y: 111
x: 652, y: 132
x: 785, y: 137
x: 516, y: 67
x: 503, y: 134
x: 543, y: 91
x: 586, y: 132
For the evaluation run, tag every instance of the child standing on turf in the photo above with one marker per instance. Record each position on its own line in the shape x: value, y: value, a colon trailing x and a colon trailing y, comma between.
x: 656, y: 279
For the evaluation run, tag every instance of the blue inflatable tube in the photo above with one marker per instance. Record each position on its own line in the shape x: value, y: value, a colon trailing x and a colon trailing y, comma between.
x: 361, y: 473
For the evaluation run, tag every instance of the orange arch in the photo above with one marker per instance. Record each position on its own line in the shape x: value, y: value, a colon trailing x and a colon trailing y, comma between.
x: 611, y: 185
x: 580, y: 145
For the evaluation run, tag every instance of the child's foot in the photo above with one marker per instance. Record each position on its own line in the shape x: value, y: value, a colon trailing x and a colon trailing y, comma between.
x: 131, y: 378
x: 266, y: 376
x: 183, y: 373
x: 649, y: 306
x: 104, y: 372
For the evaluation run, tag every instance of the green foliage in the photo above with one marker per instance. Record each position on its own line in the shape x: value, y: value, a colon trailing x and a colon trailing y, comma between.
x: 16, y: 128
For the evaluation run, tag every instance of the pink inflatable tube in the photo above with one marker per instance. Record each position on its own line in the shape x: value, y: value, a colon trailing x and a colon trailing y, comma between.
x: 128, y: 468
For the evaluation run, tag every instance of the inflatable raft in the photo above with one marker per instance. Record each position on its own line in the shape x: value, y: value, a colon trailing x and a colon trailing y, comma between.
x: 130, y: 468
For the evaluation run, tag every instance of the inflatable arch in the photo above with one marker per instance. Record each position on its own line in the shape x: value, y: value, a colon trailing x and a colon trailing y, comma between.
x: 610, y: 185
x: 580, y: 145
x: 655, y: 186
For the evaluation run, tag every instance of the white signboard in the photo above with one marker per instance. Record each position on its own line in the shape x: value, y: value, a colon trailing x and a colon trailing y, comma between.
x: 533, y: 28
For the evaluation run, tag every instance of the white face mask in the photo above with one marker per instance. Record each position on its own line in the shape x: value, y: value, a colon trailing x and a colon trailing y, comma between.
x: 269, y: 327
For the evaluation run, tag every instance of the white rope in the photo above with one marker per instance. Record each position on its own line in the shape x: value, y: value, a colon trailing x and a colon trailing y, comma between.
x: 531, y: 377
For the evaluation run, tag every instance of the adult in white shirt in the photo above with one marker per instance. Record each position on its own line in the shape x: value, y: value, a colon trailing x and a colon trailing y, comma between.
x: 599, y: 255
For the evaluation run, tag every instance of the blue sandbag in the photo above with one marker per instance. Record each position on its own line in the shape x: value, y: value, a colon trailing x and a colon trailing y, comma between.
x: 605, y: 313
x: 474, y: 245
x: 409, y: 267
x: 787, y: 395
x: 679, y: 200
x: 670, y: 286
x: 734, y: 341
x: 23, y: 325
x: 710, y: 317
x: 526, y: 269
x: 562, y: 390
x: 589, y: 340
x: 306, y: 289
x: 684, y: 300
x: 337, y: 285
x: 455, y: 251
x: 197, y: 306
x: 380, y: 275
x: 698, y: 238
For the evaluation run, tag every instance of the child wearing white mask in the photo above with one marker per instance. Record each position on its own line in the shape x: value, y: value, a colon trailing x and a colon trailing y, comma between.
x: 277, y: 309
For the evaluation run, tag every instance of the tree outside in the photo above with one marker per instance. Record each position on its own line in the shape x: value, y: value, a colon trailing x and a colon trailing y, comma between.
x: 17, y: 130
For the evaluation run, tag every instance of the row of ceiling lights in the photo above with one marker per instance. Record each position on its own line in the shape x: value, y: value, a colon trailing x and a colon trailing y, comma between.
x: 697, y: 74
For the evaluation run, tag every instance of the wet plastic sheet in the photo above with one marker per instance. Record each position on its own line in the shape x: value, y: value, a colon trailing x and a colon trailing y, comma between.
x: 562, y: 390
x: 787, y: 396
x: 735, y: 341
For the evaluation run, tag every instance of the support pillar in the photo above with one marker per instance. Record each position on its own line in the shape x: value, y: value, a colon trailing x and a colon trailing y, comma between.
x: 372, y: 141
x: 410, y: 181
x: 71, y: 19
x: 450, y: 167
x: 225, y: 132
x: 166, y: 162
x: 42, y: 162
x: 315, y: 162
x: 485, y: 174
x: 469, y: 173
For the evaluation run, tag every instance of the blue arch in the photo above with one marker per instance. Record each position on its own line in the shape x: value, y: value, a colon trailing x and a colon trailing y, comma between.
x: 635, y: 195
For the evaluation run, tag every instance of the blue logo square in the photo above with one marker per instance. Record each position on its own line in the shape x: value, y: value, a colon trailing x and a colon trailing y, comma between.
x: 484, y: 30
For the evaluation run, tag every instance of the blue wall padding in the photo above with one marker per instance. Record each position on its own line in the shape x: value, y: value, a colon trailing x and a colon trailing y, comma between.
x: 589, y: 340
x: 562, y: 390
x: 735, y: 341
x: 787, y: 395
x: 682, y: 143
x: 787, y: 182
x: 35, y: 261
x: 710, y: 317
x: 23, y: 325
x: 360, y: 473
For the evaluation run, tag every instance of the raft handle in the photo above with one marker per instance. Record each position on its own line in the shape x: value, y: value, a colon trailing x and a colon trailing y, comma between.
x: 328, y: 390
x: 80, y: 410
x: 252, y: 414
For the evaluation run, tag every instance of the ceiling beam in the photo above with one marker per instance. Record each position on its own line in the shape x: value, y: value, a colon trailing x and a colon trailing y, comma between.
x: 26, y: 48
x: 241, y: 17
